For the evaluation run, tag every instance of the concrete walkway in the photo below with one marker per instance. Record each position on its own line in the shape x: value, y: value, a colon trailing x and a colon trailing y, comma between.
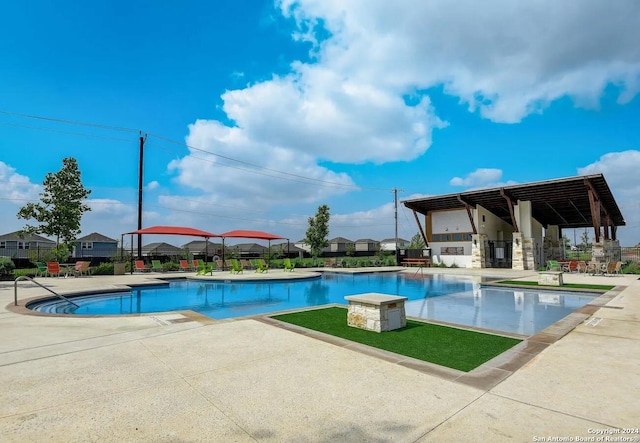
x: 179, y: 377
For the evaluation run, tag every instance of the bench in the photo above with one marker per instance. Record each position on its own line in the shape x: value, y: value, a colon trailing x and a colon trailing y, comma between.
x: 421, y: 262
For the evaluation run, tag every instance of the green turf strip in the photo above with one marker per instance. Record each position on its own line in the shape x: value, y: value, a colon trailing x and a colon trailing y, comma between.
x: 565, y: 285
x: 455, y: 348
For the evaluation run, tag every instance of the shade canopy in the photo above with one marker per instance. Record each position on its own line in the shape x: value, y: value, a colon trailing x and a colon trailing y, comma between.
x: 243, y: 233
x: 174, y: 230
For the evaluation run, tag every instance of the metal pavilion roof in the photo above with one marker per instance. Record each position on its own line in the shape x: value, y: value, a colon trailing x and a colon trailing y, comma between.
x: 564, y: 202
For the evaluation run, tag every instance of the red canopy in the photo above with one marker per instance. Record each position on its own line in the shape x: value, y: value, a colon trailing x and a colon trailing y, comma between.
x: 242, y: 233
x: 174, y: 230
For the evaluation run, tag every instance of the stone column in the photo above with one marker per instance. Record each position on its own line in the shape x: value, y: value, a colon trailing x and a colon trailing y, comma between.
x: 523, y: 254
x: 478, y: 258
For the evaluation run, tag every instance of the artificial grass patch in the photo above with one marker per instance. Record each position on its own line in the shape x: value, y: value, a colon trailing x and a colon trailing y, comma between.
x: 565, y: 285
x: 451, y: 347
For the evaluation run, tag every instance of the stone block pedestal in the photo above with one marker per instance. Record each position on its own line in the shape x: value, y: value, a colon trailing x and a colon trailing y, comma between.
x: 550, y: 278
x: 376, y: 312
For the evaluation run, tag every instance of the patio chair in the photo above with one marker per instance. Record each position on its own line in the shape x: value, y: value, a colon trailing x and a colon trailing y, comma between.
x: 570, y: 266
x: 81, y: 268
x: 53, y: 268
x: 41, y: 269
x: 246, y: 264
x: 156, y: 265
x: 288, y: 266
x: 236, y: 267
x: 261, y: 265
x: 185, y: 266
x: 207, y: 268
x: 618, y: 269
x: 140, y: 266
x: 553, y: 265
x: 582, y: 267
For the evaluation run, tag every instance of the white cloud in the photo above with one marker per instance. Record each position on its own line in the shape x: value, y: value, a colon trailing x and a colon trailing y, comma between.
x: 620, y: 171
x: 480, y: 178
x: 16, y: 188
x: 507, y: 59
x: 152, y: 185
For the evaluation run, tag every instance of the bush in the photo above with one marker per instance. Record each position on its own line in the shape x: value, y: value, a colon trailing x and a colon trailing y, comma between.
x: 6, y: 267
x: 103, y: 269
x: 170, y: 266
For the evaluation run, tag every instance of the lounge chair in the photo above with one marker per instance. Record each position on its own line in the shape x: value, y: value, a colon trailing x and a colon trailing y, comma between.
x: 553, y: 265
x: 140, y: 266
x: 288, y: 266
x: 570, y: 266
x: 245, y: 263
x: 156, y: 265
x: 261, y: 265
x: 582, y: 267
x: 236, y: 267
x: 81, y: 268
x: 41, y: 269
x: 207, y: 268
x: 185, y: 266
x: 53, y: 268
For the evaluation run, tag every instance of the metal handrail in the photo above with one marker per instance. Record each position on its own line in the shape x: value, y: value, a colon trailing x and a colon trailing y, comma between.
x: 24, y: 277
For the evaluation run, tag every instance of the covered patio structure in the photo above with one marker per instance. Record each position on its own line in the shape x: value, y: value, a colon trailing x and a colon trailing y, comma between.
x: 168, y: 230
x: 260, y: 235
x: 521, y: 225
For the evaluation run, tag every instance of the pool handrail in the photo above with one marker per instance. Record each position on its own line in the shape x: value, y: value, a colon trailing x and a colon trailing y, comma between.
x: 25, y: 277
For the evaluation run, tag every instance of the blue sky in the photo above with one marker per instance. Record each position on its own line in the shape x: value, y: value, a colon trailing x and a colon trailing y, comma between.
x: 257, y: 112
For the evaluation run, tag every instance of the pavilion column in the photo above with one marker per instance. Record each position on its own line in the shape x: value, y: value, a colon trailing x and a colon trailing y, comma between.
x: 478, y: 251
x: 523, y: 255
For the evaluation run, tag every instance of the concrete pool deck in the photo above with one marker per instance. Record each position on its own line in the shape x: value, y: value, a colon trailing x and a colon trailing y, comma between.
x: 180, y: 377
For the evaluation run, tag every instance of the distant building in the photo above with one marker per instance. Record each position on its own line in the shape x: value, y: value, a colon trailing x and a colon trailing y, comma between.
x: 202, y: 247
x: 389, y: 244
x: 158, y: 249
x: 366, y: 245
x: 15, y: 245
x: 247, y: 249
x: 340, y: 244
x: 95, y: 245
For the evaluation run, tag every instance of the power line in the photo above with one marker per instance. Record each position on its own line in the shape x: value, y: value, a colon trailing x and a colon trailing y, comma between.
x: 304, y: 179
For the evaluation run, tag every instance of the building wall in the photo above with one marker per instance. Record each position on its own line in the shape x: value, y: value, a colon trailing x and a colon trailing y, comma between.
x: 449, y: 237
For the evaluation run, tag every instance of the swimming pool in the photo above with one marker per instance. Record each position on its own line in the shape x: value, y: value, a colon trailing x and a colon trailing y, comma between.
x: 454, y: 299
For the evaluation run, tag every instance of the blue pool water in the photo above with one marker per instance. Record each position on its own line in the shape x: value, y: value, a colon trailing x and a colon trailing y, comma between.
x: 452, y: 299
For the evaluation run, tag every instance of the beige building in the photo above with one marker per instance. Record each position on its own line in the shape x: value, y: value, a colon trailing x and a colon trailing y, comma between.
x: 518, y: 226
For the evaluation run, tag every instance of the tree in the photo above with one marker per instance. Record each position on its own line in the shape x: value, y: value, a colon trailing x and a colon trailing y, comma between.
x: 318, y: 231
x: 417, y: 242
x: 61, y: 204
x: 585, y: 239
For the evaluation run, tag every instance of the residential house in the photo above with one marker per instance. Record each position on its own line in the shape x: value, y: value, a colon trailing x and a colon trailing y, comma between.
x: 366, y: 245
x: 16, y: 245
x: 95, y: 245
x: 161, y: 249
x: 340, y: 244
x: 201, y: 247
x: 389, y: 244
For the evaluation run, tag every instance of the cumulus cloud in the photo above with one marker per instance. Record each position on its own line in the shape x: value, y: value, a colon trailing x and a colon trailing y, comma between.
x: 620, y: 171
x: 507, y: 59
x: 16, y: 188
x: 480, y: 178
x: 363, y: 96
x: 152, y: 185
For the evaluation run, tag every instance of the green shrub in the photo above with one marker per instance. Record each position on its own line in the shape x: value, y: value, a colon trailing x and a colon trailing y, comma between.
x: 170, y: 266
x: 103, y: 269
x: 6, y: 266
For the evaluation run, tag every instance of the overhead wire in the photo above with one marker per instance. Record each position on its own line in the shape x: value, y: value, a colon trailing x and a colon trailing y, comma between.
x: 271, y: 172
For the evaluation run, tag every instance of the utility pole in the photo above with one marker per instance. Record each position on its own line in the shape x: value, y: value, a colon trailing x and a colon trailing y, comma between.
x: 395, y: 206
x: 140, y: 182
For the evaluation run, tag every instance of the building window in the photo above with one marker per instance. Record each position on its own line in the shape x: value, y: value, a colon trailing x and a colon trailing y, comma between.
x: 3, y: 244
x: 23, y: 245
x: 87, y: 245
x: 452, y: 251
